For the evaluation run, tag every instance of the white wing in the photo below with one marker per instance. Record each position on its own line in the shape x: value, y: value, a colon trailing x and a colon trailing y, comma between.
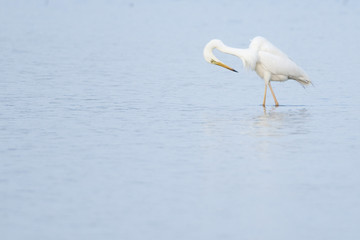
x: 283, y: 67
x: 277, y: 62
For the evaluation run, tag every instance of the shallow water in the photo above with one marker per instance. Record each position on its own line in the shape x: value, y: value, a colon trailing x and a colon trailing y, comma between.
x: 112, y: 126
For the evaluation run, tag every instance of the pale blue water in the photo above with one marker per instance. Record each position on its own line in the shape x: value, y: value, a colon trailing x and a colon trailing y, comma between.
x: 113, y: 126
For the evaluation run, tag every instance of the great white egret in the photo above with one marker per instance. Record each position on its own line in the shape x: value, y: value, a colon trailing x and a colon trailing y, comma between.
x: 269, y: 62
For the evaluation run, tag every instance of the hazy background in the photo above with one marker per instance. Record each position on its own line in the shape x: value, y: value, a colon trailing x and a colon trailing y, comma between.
x: 113, y: 126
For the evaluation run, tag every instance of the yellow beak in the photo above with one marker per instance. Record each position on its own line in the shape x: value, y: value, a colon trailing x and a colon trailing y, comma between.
x: 223, y: 65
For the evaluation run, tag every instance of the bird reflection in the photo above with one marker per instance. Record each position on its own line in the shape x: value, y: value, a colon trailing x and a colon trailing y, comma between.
x: 277, y: 121
x: 276, y: 128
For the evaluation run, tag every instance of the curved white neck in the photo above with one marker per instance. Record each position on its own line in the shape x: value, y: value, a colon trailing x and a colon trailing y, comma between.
x: 248, y: 56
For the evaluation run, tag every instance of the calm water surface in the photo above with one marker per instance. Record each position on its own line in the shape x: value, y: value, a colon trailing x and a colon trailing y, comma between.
x: 112, y: 126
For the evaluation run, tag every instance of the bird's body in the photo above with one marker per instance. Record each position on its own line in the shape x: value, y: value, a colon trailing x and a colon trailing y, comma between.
x: 269, y: 62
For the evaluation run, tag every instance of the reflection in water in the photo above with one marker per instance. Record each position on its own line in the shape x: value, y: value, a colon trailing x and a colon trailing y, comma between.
x: 280, y: 121
x: 277, y: 128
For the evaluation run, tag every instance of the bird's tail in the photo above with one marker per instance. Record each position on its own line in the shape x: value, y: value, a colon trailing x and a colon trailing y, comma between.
x: 303, y: 80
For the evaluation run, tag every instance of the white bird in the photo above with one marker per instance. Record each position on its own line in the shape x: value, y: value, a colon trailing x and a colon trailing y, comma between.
x: 269, y: 62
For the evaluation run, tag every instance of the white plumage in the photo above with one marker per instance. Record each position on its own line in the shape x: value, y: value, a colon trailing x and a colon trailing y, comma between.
x: 269, y: 62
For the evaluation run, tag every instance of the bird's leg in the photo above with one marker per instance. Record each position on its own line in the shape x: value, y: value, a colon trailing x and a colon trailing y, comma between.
x: 272, y: 92
x: 265, y: 95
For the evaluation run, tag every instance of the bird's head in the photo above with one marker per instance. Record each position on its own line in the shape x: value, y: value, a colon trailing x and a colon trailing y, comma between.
x: 210, y: 57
